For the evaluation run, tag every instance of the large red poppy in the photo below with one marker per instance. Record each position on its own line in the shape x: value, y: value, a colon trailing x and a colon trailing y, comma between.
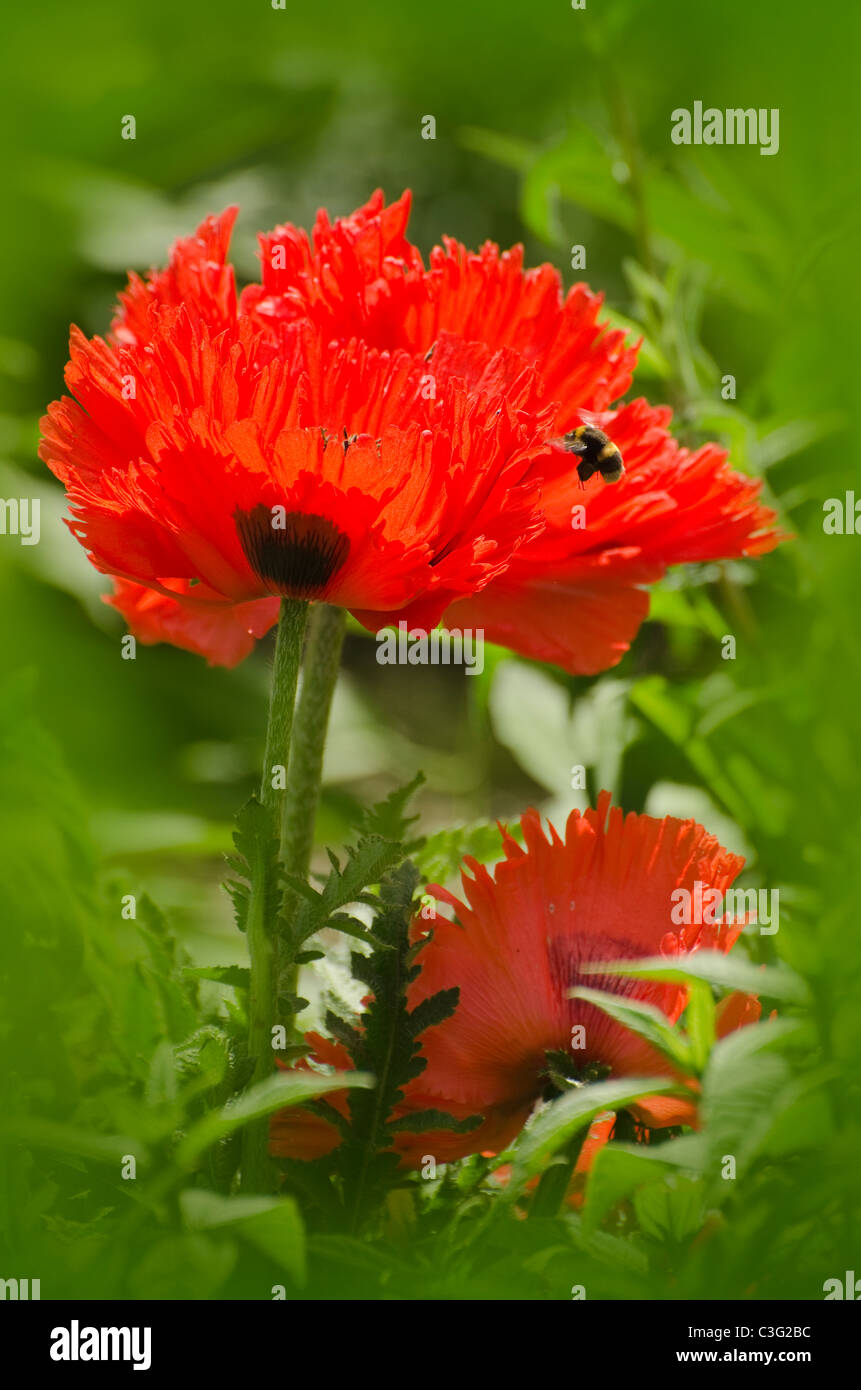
x: 518, y: 945
x: 325, y: 474
x: 401, y: 417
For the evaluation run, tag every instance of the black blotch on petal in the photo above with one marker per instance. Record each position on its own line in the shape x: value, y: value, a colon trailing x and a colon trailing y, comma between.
x: 297, y: 555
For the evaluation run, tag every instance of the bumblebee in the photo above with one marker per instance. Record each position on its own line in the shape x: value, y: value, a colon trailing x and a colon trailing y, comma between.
x: 598, y: 453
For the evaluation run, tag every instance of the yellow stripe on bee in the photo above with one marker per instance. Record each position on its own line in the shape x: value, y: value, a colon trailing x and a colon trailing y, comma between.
x: 608, y: 450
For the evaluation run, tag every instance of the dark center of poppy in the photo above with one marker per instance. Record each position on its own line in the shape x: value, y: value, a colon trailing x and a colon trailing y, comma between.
x: 562, y: 1073
x: 294, y: 553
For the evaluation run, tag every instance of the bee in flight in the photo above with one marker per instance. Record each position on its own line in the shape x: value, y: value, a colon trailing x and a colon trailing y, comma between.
x: 598, y: 453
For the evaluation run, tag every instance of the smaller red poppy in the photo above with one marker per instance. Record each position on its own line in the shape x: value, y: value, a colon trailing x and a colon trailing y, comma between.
x: 518, y: 945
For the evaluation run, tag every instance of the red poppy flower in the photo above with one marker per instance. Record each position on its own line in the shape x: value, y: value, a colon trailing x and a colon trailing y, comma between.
x: 251, y: 404
x: 204, y: 467
x: 361, y: 278
x: 518, y: 946
x: 524, y: 933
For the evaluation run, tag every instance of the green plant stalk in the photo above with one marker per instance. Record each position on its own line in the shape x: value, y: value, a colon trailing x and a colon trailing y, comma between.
x: 261, y: 1014
x: 261, y: 943
x: 319, y: 677
x: 311, y: 723
x: 282, y: 700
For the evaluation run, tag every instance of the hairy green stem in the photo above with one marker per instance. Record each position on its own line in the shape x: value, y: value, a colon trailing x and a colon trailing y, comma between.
x: 261, y: 941
x: 319, y: 677
x: 282, y: 700
x: 299, y: 810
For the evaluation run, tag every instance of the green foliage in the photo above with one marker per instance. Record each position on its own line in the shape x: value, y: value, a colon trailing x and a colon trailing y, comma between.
x: 383, y: 841
x: 237, y: 976
x: 272, y: 1225
x: 255, y: 861
x: 275, y: 1093
x: 647, y: 1021
x: 619, y: 1170
x: 716, y: 968
x: 366, y: 864
x: 440, y: 858
x: 387, y: 1044
x: 563, y: 1118
x: 388, y: 820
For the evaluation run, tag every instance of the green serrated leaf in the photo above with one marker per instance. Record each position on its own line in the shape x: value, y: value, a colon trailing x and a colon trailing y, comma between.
x: 302, y: 887
x: 351, y: 926
x: 386, y: 1043
x: 433, y: 1010
x: 256, y: 860
x: 344, y: 1032
x: 366, y: 864
x: 387, y: 818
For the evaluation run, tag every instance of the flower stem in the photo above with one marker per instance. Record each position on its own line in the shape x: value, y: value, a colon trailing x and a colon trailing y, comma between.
x: 320, y: 675
x: 299, y: 810
x: 282, y: 700
x: 263, y: 984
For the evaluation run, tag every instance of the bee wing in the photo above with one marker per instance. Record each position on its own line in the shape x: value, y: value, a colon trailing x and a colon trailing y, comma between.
x: 569, y: 445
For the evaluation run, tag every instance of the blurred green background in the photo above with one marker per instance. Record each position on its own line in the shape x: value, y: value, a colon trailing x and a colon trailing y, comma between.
x: 552, y: 128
